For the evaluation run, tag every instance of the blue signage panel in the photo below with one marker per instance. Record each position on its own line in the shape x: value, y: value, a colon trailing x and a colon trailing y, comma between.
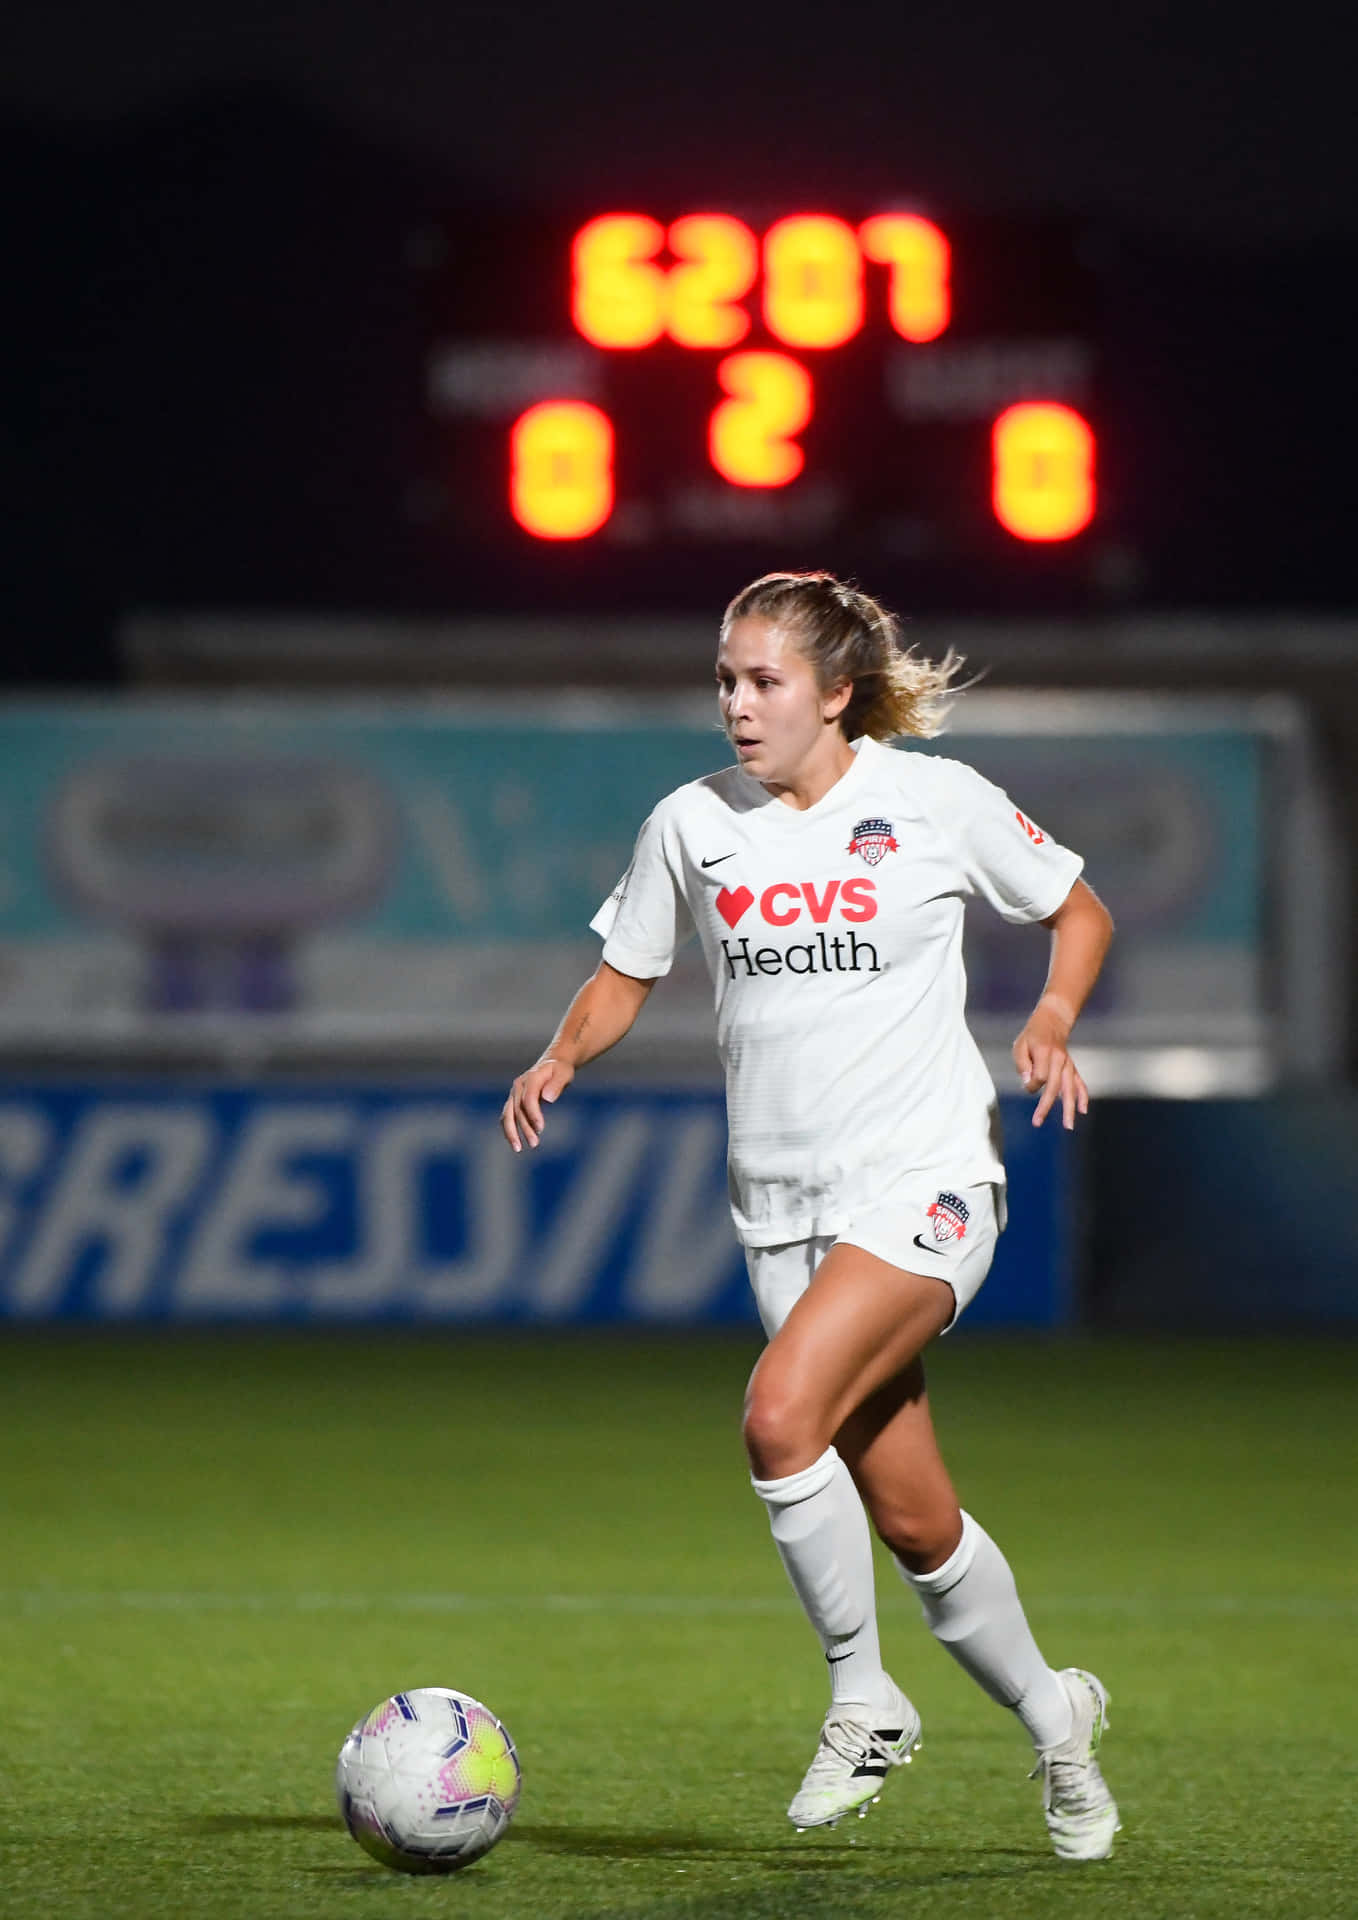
x: 325, y: 1203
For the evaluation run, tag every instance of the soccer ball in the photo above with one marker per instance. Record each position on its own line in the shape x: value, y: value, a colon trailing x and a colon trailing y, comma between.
x: 428, y: 1781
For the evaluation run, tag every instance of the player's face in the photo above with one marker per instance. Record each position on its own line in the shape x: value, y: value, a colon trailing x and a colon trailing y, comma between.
x: 772, y: 707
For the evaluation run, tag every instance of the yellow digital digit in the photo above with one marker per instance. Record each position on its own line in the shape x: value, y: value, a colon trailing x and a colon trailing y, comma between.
x: 749, y: 439
x: 717, y: 264
x: 561, y: 469
x: 618, y: 295
x: 918, y: 297
x: 813, y: 281
x: 1044, y: 486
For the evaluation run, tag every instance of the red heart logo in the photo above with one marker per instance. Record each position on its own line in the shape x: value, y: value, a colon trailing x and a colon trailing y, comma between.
x: 732, y: 902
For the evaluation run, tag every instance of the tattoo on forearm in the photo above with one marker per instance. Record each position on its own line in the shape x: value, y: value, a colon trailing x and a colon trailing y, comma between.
x: 579, y: 1033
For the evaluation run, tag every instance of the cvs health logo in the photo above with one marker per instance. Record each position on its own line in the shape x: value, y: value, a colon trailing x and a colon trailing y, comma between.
x: 787, y: 900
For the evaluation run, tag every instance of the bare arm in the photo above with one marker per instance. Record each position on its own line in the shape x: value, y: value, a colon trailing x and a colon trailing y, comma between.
x: 596, y: 1019
x: 1081, y: 929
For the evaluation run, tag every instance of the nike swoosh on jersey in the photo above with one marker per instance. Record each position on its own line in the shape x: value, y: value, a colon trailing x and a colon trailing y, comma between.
x: 924, y: 1246
x: 717, y: 862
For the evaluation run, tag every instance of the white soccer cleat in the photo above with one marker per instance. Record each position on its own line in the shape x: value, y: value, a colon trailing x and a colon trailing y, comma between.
x: 858, y: 1748
x: 1082, y: 1815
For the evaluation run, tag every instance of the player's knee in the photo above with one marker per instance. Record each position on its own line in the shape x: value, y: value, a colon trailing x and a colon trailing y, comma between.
x: 921, y: 1534
x: 779, y: 1428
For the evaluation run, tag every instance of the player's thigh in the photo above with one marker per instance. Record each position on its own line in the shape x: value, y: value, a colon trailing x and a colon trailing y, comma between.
x: 859, y: 1323
x: 946, y: 1231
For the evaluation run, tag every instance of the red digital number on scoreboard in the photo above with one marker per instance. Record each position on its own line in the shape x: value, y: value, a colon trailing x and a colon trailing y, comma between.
x: 1043, y: 470
x: 636, y: 282
x: 813, y: 273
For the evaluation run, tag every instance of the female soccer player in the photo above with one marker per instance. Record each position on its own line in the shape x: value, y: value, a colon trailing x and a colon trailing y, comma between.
x: 825, y: 876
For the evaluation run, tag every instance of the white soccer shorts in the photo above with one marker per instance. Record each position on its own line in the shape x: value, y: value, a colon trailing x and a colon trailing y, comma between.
x: 925, y: 1227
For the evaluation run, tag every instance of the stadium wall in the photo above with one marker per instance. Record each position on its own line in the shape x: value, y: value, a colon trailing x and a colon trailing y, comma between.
x: 1221, y: 1215
x: 330, y: 1203
x: 349, y: 1202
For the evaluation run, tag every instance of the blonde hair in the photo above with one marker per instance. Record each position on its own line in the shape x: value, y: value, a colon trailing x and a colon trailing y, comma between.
x: 848, y: 636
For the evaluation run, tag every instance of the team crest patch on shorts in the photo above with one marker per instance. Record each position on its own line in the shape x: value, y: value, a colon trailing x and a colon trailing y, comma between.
x: 872, y: 838
x: 950, y: 1214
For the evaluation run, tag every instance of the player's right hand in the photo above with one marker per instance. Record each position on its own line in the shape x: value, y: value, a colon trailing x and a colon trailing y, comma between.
x: 521, y: 1115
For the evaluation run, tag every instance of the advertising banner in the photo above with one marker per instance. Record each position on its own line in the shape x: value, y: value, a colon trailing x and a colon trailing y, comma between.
x: 303, y: 880
x: 334, y: 1203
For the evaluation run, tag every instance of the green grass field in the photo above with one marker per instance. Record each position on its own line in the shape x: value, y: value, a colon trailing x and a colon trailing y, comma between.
x: 219, y: 1551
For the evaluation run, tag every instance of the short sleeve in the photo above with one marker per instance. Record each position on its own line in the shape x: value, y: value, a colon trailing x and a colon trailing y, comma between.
x: 1006, y: 858
x: 645, y: 920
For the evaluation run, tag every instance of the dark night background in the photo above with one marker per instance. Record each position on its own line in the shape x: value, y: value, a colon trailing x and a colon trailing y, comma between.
x: 212, y: 347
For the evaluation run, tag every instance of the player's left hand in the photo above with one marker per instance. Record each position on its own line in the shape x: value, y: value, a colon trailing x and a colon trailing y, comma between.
x: 1045, y: 1068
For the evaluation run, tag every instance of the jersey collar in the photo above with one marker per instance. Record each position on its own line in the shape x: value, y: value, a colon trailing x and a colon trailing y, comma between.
x: 844, y: 789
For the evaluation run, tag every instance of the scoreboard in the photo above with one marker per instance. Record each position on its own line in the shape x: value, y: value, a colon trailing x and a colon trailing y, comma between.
x: 820, y: 385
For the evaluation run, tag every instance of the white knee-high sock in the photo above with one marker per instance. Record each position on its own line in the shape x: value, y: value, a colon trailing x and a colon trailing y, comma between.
x: 972, y: 1607
x: 821, y: 1532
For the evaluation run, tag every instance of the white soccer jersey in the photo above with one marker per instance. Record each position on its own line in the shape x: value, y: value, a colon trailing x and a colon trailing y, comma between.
x: 834, y: 939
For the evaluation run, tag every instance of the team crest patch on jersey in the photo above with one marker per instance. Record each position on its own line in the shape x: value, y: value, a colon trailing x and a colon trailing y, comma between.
x: 872, y: 838
x: 950, y: 1214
